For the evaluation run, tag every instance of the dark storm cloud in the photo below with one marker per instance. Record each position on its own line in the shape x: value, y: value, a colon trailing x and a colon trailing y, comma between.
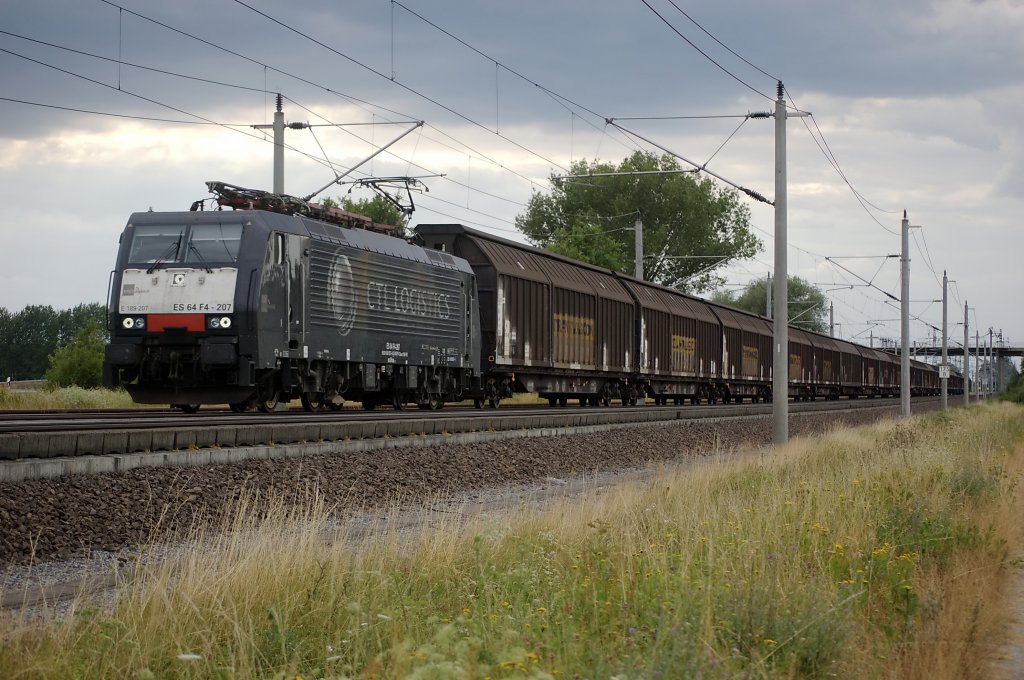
x: 613, y: 57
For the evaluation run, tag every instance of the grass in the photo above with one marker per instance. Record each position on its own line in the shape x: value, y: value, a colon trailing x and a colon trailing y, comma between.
x: 64, y: 398
x: 877, y: 552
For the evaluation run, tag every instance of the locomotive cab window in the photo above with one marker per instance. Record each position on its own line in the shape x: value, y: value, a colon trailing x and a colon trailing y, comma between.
x: 156, y: 243
x: 278, y: 248
x: 214, y: 243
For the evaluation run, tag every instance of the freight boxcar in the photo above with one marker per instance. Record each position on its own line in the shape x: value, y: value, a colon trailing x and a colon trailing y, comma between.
x: 550, y: 325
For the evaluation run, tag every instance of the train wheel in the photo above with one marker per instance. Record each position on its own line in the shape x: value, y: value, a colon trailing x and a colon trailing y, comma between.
x: 478, y: 403
x: 435, y: 402
x: 397, y: 402
x: 186, y: 408
x: 267, y: 404
x: 312, y: 401
x: 240, y: 406
x: 369, y: 403
x: 552, y: 401
x: 606, y: 401
x: 493, y: 402
x: 562, y: 401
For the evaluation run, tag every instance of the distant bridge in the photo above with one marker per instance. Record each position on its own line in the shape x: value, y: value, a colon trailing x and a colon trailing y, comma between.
x: 952, y: 351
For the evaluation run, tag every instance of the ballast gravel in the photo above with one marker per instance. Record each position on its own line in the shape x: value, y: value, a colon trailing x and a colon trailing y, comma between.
x: 64, y: 528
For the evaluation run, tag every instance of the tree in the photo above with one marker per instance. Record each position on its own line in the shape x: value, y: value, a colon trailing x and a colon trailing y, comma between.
x: 1015, y: 386
x: 29, y: 337
x: 807, y: 305
x: 80, y: 362
x: 378, y: 209
x: 690, y: 225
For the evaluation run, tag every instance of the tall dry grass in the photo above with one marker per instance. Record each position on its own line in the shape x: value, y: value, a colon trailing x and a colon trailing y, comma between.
x: 877, y: 552
x: 64, y: 398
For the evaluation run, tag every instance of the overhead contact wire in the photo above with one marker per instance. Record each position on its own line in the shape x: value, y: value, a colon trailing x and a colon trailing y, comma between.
x: 399, y: 83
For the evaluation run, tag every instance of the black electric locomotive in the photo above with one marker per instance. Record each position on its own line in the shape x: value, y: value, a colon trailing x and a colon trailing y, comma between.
x: 249, y: 307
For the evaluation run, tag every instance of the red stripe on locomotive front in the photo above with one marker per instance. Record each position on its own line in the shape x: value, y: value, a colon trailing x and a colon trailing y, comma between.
x: 189, y: 322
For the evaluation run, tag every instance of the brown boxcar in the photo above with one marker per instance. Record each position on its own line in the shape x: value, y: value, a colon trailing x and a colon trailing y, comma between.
x: 550, y: 325
x: 851, y: 369
x: 801, y: 364
x: 827, y: 366
x: 747, y: 358
x: 680, y: 341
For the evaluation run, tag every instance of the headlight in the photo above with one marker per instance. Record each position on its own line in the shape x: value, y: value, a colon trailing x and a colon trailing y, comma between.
x: 214, y: 323
x: 128, y: 322
x: 140, y: 322
x: 222, y: 322
x: 225, y: 322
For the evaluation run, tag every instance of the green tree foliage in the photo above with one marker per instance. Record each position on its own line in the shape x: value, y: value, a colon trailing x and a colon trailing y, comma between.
x: 1015, y: 385
x: 807, y: 305
x: 591, y: 219
x: 29, y: 337
x: 79, y: 362
x: 378, y: 209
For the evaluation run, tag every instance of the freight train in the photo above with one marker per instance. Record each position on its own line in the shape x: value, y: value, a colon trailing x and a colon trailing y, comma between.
x: 279, y: 299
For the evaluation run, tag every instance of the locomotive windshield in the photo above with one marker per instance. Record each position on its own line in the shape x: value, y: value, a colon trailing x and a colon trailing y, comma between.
x: 214, y: 243
x: 156, y: 243
x: 167, y: 243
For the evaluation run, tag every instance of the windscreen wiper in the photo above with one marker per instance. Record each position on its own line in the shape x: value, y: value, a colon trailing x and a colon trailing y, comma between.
x: 173, y: 250
x: 199, y: 256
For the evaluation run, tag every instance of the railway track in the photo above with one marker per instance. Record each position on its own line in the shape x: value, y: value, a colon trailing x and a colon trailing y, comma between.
x: 52, y: 445
x: 91, y: 419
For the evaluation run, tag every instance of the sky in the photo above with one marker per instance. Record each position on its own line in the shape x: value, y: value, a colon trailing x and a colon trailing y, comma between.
x: 112, y: 107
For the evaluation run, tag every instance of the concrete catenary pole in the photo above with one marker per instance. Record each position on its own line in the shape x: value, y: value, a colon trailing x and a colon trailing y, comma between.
x: 831, y: 321
x: 768, y: 297
x: 977, y: 364
x: 967, y: 359
x: 905, y: 319
x: 780, y: 326
x: 944, y: 366
x: 279, y: 148
x: 278, y: 127
x: 638, y: 247
x: 995, y: 364
x: 991, y: 372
